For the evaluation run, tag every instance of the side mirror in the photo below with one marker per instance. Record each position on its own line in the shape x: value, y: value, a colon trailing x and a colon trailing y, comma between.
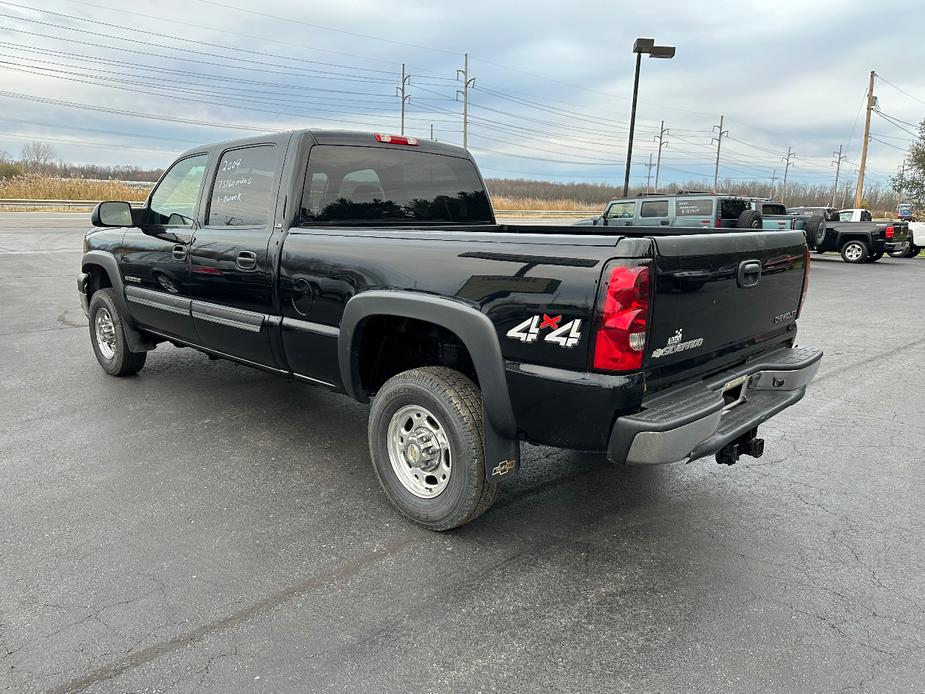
x: 112, y: 214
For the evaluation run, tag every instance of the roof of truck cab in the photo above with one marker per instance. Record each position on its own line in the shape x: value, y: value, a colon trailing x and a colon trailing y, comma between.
x: 343, y: 137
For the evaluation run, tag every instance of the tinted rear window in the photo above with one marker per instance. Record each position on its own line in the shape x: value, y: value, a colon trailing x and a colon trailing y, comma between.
x: 773, y: 208
x: 346, y: 184
x: 694, y: 208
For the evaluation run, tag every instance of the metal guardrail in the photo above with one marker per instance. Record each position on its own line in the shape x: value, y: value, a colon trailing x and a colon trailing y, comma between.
x: 12, y: 202
x: 547, y: 213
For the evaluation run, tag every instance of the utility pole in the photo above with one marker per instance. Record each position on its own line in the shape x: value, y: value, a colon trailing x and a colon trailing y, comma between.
x: 790, y: 155
x: 432, y: 132
x: 719, y: 143
x: 839, y: 158
x: 467, y: 83
x: 405, y: 98
x: 844, y: 195
x: 660, y: 138
x: 871, y: 103
x: 773, y: 178
x: 649, y: 173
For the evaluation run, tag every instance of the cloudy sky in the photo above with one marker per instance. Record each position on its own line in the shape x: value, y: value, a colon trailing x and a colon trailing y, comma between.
x: 117, y: 83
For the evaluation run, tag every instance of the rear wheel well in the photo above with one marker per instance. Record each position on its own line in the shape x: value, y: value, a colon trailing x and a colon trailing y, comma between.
x: 389, y: 345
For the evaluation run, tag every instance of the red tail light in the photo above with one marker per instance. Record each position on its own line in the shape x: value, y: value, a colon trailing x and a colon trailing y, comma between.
x: 890, y: 232
x: 719, y: 222
x: 624, y: 306
x: 805, y: 289
x: 396, y: 139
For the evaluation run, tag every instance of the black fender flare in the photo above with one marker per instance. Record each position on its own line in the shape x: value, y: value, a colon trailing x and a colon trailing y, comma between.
x: 107, y: 261
x: 477, y: 333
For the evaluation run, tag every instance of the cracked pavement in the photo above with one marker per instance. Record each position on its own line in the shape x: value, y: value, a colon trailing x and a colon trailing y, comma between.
x: 208, y: 528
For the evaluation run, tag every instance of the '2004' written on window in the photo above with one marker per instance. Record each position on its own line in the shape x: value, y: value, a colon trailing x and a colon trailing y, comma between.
x: 241, y: 194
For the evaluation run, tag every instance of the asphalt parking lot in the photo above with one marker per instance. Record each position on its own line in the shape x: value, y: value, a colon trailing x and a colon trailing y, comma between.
x: 204, y: 527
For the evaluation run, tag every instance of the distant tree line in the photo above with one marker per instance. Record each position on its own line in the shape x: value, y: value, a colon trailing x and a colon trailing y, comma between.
x: 40, y: 158
x: 910, y: 180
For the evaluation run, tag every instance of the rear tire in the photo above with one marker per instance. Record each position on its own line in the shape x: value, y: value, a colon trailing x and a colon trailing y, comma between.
x: 815, y: 230
x: 426, y: 444
x: 107, y: 335
x: 749, y: 219
x: 854, y: 251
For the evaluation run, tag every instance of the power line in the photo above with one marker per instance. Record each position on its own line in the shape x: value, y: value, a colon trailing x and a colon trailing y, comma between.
x: 197, y: 42
x: 133, y: 114
x: 321, y: 74
x: 901, y: 91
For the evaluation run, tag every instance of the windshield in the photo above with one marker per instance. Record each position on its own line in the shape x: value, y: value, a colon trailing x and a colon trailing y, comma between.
x: 352, y: 185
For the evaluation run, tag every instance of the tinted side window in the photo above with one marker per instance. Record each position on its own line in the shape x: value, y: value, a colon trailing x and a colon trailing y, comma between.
x: 622, y: 210
x: 174, y: 200
x: 773, y: 208
x: 243, y: 188
x: 694, y: 208
x: 351, y: 185
x: 654, y: 208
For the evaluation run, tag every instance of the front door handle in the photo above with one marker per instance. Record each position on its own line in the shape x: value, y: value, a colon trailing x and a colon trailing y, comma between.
x: 665, y: 222
x: 179, y: 252
x: 246, y: 260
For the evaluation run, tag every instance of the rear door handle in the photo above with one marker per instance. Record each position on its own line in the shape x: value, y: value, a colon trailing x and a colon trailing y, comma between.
x: 749, y: 273
x: 179, y: 252
x: 246, y: 260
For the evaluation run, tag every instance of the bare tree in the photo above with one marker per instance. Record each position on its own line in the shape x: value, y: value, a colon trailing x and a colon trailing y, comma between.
x: 37, y: 157
x: 5, y: 156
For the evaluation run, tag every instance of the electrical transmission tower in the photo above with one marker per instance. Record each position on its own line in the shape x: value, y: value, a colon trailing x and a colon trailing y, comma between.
x: 467, y: 83
x: 649, y: 173
x: 839, y: 158
x: 719, y: 143
x: 405, y: 98
x: 660, y: 138
x: 789, y: 160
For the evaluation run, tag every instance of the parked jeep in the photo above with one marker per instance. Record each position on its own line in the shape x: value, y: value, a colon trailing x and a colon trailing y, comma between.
x: 681, y: 209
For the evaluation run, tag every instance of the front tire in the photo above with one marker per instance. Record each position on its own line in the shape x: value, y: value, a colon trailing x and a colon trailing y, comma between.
x: 854, y: 252
x: 108, y: 337
x: 426, y: 444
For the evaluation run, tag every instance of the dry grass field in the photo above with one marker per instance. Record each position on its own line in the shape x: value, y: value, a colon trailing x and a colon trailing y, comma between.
x: 36, y: 187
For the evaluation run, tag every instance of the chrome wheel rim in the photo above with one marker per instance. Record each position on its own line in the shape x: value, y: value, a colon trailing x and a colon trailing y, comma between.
x: 853, y: 251
x: 105, y: 333
x: 419, y: 451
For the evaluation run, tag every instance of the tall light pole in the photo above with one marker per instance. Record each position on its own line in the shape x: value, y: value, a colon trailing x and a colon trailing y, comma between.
x: 641, y: 46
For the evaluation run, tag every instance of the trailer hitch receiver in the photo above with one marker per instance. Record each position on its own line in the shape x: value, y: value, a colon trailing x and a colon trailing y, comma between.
x: 747, y: 444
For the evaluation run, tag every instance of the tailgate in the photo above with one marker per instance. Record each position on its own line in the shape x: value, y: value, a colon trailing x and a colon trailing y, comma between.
x: 718, y: 294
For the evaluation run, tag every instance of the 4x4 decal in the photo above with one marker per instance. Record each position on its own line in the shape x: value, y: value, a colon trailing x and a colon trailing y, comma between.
x: 566, y: 335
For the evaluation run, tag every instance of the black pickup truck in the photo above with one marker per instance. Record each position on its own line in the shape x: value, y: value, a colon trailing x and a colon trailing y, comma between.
x: 372, y: 265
